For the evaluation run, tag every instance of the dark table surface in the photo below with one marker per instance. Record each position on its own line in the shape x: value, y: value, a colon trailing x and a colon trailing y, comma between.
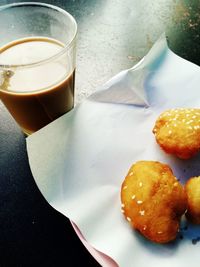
x: 113, y: 35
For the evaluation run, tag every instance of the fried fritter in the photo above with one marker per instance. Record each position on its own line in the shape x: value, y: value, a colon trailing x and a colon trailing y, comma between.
x: 177, y: 131
x: 192, y: 188
x: 153, y: 200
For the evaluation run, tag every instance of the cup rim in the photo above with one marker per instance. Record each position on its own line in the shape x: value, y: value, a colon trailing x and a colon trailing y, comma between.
x: 66, y: 46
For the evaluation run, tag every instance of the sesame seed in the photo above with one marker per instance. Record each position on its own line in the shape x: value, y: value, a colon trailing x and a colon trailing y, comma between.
x: 169, y: 132
x: 140, y: 184
x: 122, y: 205
x: 139, y: 202
x: 124, y: 188
x: 142, y: 212
x: 122, y: 211
x: 159, y: 232
x: 144, y: 227
x: 133, y: 197
x: 128, y: 219
x: 131, y: 173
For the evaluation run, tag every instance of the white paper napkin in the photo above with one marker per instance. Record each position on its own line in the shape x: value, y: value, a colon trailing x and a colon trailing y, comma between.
x: 80, y: 160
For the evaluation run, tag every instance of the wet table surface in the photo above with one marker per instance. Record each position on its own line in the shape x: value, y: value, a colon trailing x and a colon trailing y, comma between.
x: 113, y: 36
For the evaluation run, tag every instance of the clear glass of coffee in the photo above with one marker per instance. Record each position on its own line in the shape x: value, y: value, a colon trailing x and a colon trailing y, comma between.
x: 37, y: 63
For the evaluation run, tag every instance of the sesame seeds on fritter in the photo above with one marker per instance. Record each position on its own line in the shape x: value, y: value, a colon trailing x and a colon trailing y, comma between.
x: 177, y: 131
x: 178, y: 116
x: 149, y: 205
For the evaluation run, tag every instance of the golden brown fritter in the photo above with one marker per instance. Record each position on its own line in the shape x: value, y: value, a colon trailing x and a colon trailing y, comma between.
x: 153, y: 200
x: 177, y: 131
x: 192, y: 189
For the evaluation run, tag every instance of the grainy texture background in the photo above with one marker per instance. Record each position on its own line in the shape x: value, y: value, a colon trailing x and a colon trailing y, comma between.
x: 115, y: 34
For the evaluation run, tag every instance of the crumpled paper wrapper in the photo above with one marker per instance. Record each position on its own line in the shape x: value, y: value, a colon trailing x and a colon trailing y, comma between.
x: 80, y: 160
